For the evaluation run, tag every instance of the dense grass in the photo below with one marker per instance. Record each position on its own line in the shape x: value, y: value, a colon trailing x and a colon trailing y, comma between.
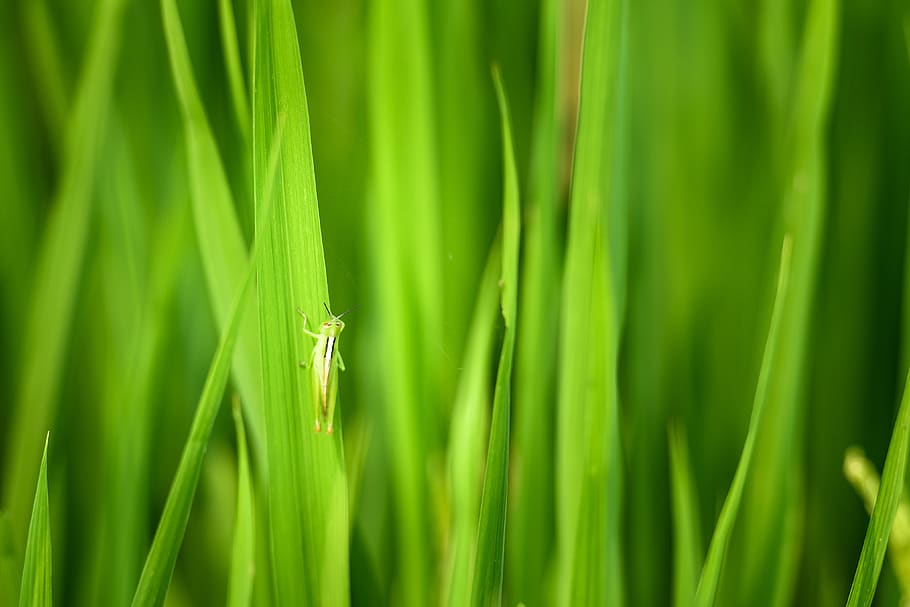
x: 580, y: 370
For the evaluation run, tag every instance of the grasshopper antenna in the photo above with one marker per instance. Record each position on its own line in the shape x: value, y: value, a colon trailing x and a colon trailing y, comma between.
x: 351, y: 309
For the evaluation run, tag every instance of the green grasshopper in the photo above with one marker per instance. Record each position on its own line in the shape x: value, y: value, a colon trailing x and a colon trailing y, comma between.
x: 325, y: 360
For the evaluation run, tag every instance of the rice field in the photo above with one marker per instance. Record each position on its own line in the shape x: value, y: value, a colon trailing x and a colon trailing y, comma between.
x: 396, y: 302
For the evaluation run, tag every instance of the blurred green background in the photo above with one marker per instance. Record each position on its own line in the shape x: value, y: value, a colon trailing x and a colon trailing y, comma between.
x: 736, y: 122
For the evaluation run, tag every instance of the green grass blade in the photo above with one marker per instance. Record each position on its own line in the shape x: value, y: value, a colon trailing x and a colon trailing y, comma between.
x: 307, y: 485
x: 710, y: 574
x: 43, y: 48
x: 773, y: 494
x: 865, y: 480
x: 469, y: 429
x: 531, y: 519
x: 491, y: 527
x: 59, y: 266
x: 687, y: 550
x: 589, y: 485
x: 221, y: 243
x: 406, y: 262
x: 231, y: 49
x: 36, y: 589
x: 241, y: 581
x: 872, y: 556
x: 159, y: 565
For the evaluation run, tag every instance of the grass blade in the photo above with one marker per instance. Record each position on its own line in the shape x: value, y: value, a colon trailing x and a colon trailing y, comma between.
x: 36, y: 587
x: 865, y: 480
x: 710, y: 574
x: 872, y: 556
x: 589, y: 487
x: 221, y: 243
x: 469, y: 428
x: 491, y: 528
x: 531, y: 519
x: 404, y: 229
x: 59, y: 265
x: 307, y: 485
x: 241, y: 581
x: 159, y: 565
x: 232, y: 63
x: 772, y: 498
x: 687, y: 551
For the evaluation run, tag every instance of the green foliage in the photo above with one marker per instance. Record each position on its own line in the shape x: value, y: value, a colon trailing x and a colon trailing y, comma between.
x: 709, y: 580
x: 889, y: 495
x: 37, y: 590
x: 306, y: 483
x: 491, y: 525
x: 242, y: 556
x: 651, y: 155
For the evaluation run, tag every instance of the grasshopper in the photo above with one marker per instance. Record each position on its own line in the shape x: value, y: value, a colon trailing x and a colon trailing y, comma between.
x: 326, y: 361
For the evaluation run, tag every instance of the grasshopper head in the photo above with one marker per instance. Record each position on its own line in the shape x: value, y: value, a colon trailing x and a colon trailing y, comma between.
x: 334, y: 325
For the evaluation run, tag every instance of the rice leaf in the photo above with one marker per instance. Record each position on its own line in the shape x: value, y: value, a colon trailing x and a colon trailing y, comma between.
x: 50, y: 313
x: 687, y: 550
x: 710, y: 574
x: 772, y: 497
x: 221, y: 243
x: 470, y: 421
x: 307, y: 485
x: 403, y: 225
x: 491, y: 527
x: 36, y: 589
x: 865, y: 580
x: 589, y: 485
x: 865, y: 480
x: 159, y: 564
x: 241, y: 581
x: 232, y: 62
x: 529, y: 538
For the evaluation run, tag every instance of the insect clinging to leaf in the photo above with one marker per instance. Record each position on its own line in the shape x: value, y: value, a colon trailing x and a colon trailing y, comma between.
x: 326, y: 361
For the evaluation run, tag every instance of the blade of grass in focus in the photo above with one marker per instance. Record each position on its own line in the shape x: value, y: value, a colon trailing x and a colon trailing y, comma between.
x: 242, y: 563
x: 221, y: 243
x: 687, y: 549
x: 470, y: 420
x: 406, y: 264
x: 772, y: 502
x: 865, y: 480
x: 714, y: 561
x: 872, y: 556
x: 529, y: 534
x: 589, y: 487
x: 36, y: 589
x: 59, y: 264
x: 307, y: 485
x: 491, y: 526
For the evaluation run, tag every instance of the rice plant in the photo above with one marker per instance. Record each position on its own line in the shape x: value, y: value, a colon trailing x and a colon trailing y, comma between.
x: 626, y: 288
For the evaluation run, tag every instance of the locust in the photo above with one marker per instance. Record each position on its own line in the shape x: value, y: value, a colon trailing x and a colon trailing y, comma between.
x: 325, y: 361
